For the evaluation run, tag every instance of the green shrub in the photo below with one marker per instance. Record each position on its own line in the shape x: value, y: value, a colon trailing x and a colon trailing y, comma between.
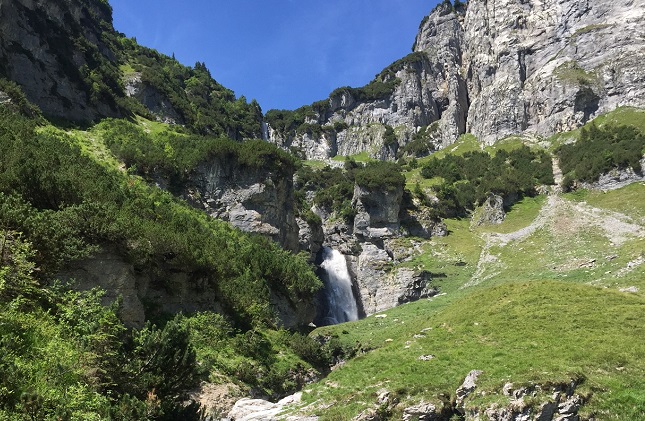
x: 380, y: 175
x: 469, y: 179
x: 600, y: 150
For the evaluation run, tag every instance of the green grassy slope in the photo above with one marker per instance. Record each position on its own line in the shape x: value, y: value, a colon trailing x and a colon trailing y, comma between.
x: 542, y: 332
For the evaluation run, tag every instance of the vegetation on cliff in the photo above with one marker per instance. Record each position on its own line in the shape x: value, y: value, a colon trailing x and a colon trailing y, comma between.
x: 58, y: 204
x: 600, y: 150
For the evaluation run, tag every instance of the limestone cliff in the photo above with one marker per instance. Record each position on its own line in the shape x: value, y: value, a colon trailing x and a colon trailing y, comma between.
x: 372, y: 250
x: 494, y: 68
x: 60, y: 54
x: 539, y: 67
x: 253, y: 199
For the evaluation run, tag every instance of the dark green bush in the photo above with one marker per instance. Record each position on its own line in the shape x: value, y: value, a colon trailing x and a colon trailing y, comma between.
x: 380, y: 175
x: 600, y: 150
x: 469, y: 179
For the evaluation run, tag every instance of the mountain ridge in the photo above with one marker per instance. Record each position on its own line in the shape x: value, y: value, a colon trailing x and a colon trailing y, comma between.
x: 492, y: 69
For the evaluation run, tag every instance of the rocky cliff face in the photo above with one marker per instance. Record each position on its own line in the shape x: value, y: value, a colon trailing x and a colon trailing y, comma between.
x: 494, y: 69
x: 171, y: 291
x: 371, y: 249
x: 58, y: 53
x: 252, y: 199
x: 539, y: 67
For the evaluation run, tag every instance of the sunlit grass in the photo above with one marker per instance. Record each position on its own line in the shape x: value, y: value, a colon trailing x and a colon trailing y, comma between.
x: 536, y: 332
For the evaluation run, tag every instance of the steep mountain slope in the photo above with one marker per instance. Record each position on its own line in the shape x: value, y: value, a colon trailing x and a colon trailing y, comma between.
x: 490, y: 68
x: 62, y: 54
x: 70, y: 62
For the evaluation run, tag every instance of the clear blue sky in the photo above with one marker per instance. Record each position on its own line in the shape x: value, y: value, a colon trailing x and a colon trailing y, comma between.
x: 283, y: 53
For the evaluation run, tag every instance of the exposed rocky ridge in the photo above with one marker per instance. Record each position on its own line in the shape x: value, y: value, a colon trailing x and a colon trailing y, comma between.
x: 254, y: 200
x: 499, y: 68
x: 428, y: 89
x: 53, y: 50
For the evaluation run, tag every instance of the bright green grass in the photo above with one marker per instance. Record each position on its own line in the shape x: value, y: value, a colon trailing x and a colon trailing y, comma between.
x: 127, y: 69
x: 153, y: 127
x: 629, y: 200
x: 520, y: 215
x: 451, y: 260
x: 90, y: 144
x: 507, y: 144
x: 316, y: 165
x: 466, y: 143
x: 537, y: 332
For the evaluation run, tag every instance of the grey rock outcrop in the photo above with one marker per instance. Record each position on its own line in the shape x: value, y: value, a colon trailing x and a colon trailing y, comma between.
x: 546, y: 66
x: 251, y: 199
x: 491, y: 212
x: 466, y: 388
x: 171, y: 292
x: 369, y: 245
x: 108, y: 271
x: 616, y: 179
x: 177, y: 292
x: 151, y: 98
x: 257, y: 409
x: 377, y: 212
x: 421, y: 412
x: 37, y: 53
x: 381, y: 287
x: 532, y: 403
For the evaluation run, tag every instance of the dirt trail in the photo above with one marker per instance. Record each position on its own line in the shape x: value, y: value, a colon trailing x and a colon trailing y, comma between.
x: 563, y: 218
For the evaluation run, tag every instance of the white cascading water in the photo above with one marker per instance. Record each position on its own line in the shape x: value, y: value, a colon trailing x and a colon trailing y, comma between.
x: 338, y: 288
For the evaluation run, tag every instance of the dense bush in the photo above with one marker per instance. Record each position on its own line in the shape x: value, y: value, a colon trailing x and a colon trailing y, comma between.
x: 174, y: 155
x: 468, y: 179
x: 600, y: 150
x: 380, y: 175
x: 333, y: 187
x: 204, y: 105
x: 68, y: 204
x: 65, y: 356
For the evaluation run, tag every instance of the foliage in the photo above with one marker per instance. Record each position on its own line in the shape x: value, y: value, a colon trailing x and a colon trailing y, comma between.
x: 421, y: 144
x: 68, y: 205
x: 203, y: 105
x: 333, y: 187
x: 468, y: 179
x: 600, y: 150
x: 18, y: 99
x: 174, y: 155
x: 380, y: 175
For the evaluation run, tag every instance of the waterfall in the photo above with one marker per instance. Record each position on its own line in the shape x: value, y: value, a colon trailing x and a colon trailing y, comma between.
x: 265, y: 131
x: 340, y: 302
